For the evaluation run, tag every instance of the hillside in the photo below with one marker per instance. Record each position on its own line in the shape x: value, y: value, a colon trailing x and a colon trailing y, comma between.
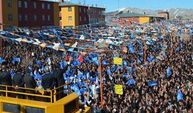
x: 185, y: 13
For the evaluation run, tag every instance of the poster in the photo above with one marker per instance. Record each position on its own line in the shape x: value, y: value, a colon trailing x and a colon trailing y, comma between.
x: 117, y: 60
x: 119, y: 89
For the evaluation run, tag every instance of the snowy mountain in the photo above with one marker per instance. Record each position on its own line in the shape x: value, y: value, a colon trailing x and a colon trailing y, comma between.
x: 185, y: 13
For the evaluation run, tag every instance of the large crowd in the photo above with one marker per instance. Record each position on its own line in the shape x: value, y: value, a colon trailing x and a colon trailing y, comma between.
x: 156, y: 71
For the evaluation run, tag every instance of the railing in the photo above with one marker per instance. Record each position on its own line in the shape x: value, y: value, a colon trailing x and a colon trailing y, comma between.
x: 50, y: 96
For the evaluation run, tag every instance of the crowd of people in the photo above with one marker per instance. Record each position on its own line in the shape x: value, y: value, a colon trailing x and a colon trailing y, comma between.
x: 156, y: 71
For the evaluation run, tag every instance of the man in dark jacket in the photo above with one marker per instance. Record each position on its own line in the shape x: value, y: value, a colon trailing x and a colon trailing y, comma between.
x: 58, y: 76
x: 5, y: 78
x: 48, y: 81
x: 29, y: 81
x: 18, y: 80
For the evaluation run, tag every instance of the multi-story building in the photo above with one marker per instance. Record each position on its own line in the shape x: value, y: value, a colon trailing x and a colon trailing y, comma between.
x: 72, y: 15
x: 96, y: 15
x: 36, y: 13
x: 130, y: 18
x: 29, y: 13
x: 8, y: 13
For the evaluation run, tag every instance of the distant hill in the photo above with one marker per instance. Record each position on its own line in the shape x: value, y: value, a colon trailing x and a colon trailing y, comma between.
x: 184, y: 13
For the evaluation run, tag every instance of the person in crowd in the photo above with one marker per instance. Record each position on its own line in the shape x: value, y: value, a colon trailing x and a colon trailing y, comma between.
x: 156, y: 70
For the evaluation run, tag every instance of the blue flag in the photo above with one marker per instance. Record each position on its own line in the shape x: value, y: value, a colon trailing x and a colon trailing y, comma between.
x: 62, y: 64
x: 152, y: 83
x: 180, y: 95
x: 82, y: 90
x: 38, y: 62
x: 87, y: 60
x: 95, y: 60
x: 80, y: 74
x: 168, y: 71
x: 108, y: 71
x: 104, y: 62
x: 124, y: 63
x: 1, y: 60
x: 71, y: 49
x: 12, y: 73
x: 93, y: 79
x: 150, y: 58
x: 149, y: 42
x: 132, y: 36
x: 131, y: 48
x: 37, y: 76
x: 76, y: 90
x: 130, y: 70
x: 16, y: 59
x: 76, y: 63
x: 131, y: 82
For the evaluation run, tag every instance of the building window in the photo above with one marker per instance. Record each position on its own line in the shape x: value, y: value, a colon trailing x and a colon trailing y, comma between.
x: 85, y: 19
x: 19, y: 4
x: 85, y: 10
x: 10, y: 17
x: 20, y: 17
x: 48, y: 17
x: 25, y: 4
x: 43, y: 17
x: 9, y: 3
x: 80, y: 18
x: 35, y: 5
x: 35, y: 17
x: 80, y: 10
x: 69, y: 9
x: 48, y: 6
x: 70, y: 18
x: 26, y: 17
x: 43, y: 5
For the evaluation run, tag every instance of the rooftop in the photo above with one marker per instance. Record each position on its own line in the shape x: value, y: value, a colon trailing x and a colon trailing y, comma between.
x: 74, y: 4
x: 135, y: 15
x: 131, y: 15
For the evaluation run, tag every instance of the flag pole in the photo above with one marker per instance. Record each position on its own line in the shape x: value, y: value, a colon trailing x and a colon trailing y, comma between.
x: 101, y: 81
x: 145, y: 51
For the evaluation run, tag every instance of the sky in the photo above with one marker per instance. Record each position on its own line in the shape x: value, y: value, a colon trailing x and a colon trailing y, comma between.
x: 112, y: 5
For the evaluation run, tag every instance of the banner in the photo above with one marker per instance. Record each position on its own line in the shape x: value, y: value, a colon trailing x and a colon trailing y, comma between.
x: 119, y: 89
x: 117, y: 61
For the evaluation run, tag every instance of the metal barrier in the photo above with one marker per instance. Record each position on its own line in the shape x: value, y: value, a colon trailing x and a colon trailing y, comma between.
x: 22, y: 100
x: 50, y: 96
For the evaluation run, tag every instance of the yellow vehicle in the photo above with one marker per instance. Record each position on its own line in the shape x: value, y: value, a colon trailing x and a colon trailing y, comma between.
x: 25, y: 100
